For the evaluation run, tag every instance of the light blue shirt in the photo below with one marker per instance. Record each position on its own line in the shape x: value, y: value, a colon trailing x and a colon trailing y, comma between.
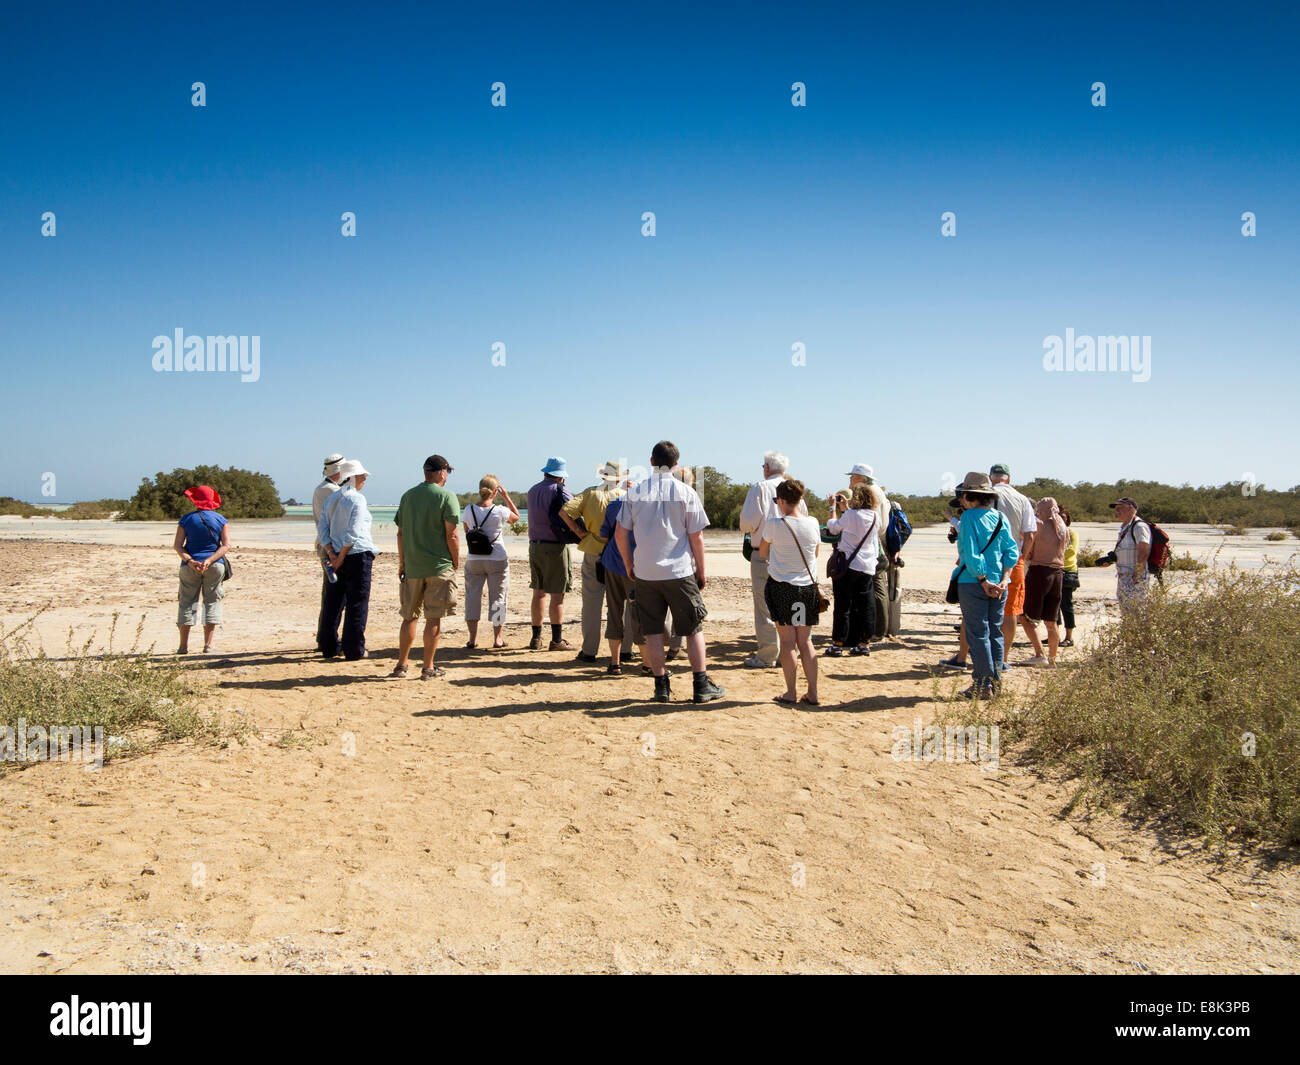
x: 345, y: 522
x: 977, y: 525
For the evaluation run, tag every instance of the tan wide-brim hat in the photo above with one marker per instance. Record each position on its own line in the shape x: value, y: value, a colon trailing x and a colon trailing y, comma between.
x: 976, y: 482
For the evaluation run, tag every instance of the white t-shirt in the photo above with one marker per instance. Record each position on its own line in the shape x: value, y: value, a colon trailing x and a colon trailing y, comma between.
x: 1018, y: 509
x: 784, y: 561
x: 852, y: 526
x: 662, y: 512
x: 490, y: 520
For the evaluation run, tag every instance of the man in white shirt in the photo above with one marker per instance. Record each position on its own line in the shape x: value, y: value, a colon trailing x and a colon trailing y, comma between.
x: 1130, y: 554
x: 666, y: 519
x: 324, y: 490
x: 760, y: 505
x: 1018, y: 510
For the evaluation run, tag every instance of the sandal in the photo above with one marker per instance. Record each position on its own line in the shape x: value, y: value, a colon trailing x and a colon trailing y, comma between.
x: 613, y: 670
x: 471, y: 646
x: 398, y: 673
x: 784, y: 701
x: 809, y: 702
x: 436, y: 671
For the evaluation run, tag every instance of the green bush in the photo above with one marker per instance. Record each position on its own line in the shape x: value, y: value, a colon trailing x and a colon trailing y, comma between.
x: 1275, y: 536
x: 1189, y: 706
x: 1088, y: 556
x: 244, y: 494
x: 10, y: 505
x: 93, y: 510
x: 121, y: 692
x: 1235, y: 530
x: 1186, y: 562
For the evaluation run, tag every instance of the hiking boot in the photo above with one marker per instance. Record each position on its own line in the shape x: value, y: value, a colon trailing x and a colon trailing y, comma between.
x: 535, y: 644
x: 662, y: 694
x: 706, y: 691
x: 582, y: 656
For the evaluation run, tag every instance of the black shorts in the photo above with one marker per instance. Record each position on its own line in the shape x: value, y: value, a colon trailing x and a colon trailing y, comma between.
x: 781, y: 599
x: 654, y: 599
x: 1043, y: 593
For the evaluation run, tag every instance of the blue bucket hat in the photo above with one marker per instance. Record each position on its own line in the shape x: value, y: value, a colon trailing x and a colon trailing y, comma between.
x: 555, y: 467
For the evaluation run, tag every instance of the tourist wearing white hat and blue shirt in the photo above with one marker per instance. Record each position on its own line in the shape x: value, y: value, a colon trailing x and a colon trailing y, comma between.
x: 549, y: 567
x: 328, y: 486
x: 344, y: 530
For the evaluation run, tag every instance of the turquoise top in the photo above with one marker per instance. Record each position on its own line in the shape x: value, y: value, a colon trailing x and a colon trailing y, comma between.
x: 977, y: 525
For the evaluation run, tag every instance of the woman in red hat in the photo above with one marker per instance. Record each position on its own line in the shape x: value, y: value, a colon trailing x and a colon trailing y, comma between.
x: 202, y: 541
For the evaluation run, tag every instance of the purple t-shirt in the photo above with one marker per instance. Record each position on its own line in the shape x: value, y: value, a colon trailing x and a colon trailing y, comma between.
x: 541, y: 497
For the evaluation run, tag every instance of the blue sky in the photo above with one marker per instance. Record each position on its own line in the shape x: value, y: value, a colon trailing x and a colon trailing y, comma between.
x: 522, y: 225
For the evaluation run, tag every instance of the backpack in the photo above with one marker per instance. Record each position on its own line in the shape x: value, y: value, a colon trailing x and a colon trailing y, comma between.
x: 476, y: 538
x: 1159, y: 555
x: 562, y: 532
x: 898, y: 531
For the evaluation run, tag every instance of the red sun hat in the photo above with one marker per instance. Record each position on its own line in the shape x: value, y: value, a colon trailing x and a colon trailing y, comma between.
x: 203, y: 497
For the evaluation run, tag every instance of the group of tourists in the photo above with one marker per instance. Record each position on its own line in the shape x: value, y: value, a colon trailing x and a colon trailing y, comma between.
x: 642, y: 564
x: 1017, y: 567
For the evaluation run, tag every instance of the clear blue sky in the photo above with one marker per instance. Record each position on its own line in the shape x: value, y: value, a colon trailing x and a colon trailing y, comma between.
x: 775, y: 225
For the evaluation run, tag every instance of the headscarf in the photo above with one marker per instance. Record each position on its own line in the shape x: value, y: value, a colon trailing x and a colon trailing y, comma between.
x: 1053, y: 535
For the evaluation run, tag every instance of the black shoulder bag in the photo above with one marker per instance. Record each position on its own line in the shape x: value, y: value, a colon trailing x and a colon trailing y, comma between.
x: 838, y: 564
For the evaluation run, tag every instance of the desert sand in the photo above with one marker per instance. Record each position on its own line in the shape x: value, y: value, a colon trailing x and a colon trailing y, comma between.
x: 527, y: 813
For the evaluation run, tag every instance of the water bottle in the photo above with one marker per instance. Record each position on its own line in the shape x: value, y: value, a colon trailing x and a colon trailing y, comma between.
x: 330, y: 575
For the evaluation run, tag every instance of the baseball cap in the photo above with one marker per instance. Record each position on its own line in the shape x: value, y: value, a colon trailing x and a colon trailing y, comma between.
x: 1000, y: 469
x: 434, y: 463
x: 1125, y: 499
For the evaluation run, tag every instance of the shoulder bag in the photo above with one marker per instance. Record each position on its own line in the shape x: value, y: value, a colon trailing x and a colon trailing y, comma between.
x: 823, y: 604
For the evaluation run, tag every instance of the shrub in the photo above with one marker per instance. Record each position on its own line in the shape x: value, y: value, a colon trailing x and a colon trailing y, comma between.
x: 10, y: 505
x: 519, y: 527
x: 1189, y: 706
x: 1088, y: 556
x: 1185, y: 562
x: 1235, y: 530
x: 244, y: 494
x: 95, y: 510
x: 1275, y: 536
x: 120, y: 692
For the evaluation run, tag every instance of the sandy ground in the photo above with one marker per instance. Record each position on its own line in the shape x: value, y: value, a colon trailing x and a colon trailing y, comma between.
x: 527, y: 813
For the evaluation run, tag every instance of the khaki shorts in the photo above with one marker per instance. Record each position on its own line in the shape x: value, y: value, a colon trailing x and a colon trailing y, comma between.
x: 548, y: 567
x: 680, y: 596
x: 436, y: 596
x: 1015, y: 604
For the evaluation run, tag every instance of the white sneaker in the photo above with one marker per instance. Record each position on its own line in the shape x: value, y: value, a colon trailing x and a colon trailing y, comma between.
x: 1037, y: 660
x: 754, y: 662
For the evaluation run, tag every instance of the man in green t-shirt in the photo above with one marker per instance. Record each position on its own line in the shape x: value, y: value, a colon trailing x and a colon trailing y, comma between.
x: 428, y: 556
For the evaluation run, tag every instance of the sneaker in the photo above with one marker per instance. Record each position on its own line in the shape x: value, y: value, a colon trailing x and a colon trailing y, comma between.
x: 1006, y: 666
x: 706, y: 691
x: 672, y: 653
x: 1037, y: 660
x: 535, y: 644
x: 582, y: 655
x: 954, y: 663
x: 662, y: 693
x: 1066, y: 643
x: 754, y: 662
x: 563, y: 645
x: 978, y: 691
x: 835, y: 650
x: 861, y: 649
